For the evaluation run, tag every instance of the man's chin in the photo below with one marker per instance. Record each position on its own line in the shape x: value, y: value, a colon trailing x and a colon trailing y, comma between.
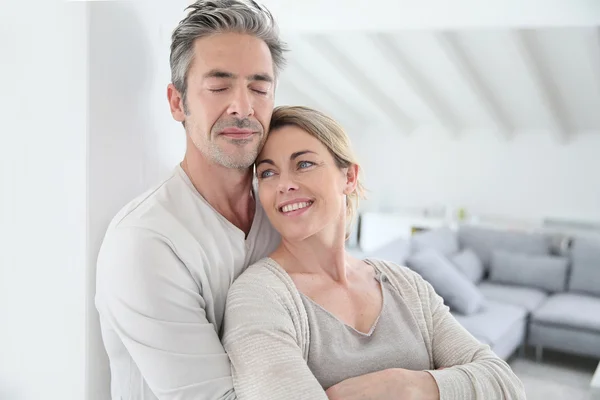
x: 240, y: 162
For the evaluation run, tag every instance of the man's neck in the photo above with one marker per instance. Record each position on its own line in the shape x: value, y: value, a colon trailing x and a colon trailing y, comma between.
x: 227, y: 190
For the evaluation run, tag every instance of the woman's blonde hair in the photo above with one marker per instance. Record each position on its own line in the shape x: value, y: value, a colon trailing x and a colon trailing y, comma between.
x: 333, y: 136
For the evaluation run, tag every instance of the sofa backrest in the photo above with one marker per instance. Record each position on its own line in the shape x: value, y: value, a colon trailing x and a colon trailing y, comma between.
x: 484, y: 240
x: 546, y: 272
x: 443, y: 240
x: 585, y: 266
x: 397, y: 251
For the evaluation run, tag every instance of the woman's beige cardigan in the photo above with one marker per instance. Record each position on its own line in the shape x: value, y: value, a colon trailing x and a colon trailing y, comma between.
x: 267, y: 338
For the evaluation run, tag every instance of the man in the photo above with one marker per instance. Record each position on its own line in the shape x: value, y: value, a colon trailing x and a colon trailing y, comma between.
x: 169, y: 256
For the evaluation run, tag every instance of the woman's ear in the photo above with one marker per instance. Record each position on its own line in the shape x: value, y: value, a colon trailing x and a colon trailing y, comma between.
x: 351, y: 178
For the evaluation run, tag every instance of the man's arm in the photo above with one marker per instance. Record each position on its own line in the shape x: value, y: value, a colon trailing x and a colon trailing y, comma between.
x: 148, y: 297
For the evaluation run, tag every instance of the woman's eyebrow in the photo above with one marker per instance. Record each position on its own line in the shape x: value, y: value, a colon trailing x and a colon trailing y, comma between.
x: 266, y: 160
x: 292, y: 157
x: 299, y: 153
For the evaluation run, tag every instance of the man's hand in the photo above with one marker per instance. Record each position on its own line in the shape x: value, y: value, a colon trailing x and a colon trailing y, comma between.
x: 396, y: 384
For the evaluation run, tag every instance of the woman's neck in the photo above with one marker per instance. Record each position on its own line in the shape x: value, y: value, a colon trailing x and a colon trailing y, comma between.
x: 321, y: 254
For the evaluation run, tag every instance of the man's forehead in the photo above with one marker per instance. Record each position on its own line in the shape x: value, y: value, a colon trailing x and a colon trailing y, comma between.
x: 235, y: 54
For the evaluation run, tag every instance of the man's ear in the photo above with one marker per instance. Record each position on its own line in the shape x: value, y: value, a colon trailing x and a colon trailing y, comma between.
x: 175, y: 103
x: 351, y: 178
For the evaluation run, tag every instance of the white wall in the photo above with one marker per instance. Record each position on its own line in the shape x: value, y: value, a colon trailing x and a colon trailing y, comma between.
x: 42, y: 200
x: 70, y: 158
x: 133, y: 140
x: 529, y: 177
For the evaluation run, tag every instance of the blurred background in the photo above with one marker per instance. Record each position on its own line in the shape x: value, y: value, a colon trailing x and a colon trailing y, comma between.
x: 463, y: 111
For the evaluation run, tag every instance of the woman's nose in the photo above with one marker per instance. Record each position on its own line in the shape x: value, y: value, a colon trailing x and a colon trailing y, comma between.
x: 286, y: 184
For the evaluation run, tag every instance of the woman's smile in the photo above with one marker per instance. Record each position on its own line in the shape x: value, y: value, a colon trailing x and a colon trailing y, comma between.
x: 295, y: 207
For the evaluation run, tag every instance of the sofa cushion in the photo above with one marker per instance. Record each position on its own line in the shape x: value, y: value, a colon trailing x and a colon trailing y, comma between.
x: 570, y: 310
x: 528, y: 298
x: 397, y: 251
x: 544, y: 272
x: 585, y: 267
x: 493, y: 322
x: 506, y: 345
x: 467, y: 262
x: 565, y: 339
x: 458, y: 292
x: 482, y: 241
x: 443, y: 240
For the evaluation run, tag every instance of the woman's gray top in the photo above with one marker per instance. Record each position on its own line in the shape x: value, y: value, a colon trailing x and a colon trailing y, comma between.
x: 338, y: 351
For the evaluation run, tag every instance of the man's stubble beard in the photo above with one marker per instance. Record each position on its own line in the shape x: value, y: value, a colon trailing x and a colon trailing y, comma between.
x: 241, y: 159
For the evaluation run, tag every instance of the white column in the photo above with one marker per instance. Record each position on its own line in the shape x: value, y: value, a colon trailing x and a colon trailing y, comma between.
x: 133, y: 141
x: 43, y: 117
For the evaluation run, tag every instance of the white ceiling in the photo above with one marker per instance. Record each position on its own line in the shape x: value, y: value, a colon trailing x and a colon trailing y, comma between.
x: 502, y: 65
x: 506, y: 80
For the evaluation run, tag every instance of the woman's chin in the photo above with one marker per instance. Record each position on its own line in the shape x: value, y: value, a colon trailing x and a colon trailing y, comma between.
x: 296, y: 234
x: 295, y: 237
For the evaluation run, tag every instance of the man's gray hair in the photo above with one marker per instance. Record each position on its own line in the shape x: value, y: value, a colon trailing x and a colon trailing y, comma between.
x: 221, y: 16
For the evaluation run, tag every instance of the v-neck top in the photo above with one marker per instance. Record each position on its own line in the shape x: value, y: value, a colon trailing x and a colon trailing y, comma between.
x: 338, y: 351
x: 271, y: 343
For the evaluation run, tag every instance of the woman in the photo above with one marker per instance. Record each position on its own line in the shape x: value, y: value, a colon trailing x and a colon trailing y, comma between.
x: 312, y: 322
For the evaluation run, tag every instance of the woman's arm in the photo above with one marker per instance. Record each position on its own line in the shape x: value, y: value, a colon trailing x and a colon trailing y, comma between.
x: 388, y: 384
x: 465, y: 368
x: 262, y: 340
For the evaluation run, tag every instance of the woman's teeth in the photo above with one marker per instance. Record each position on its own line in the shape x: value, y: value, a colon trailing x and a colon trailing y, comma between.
x: 295, y: 206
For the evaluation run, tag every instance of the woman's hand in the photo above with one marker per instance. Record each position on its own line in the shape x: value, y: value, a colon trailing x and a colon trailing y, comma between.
x: 396, y: 383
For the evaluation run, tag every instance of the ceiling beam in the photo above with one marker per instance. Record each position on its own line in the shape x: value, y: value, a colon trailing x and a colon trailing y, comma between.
x: 304, y: 75
x: 547, y: 89
x: 301, y: 97
x: 298, y: 95
x: 362, y: 82
x: 594, y: 54
x: 417, y: 82
x: 321, y: 16
x: 453, y: 50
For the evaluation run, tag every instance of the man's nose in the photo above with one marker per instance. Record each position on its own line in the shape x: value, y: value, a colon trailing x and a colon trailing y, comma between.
x: 241, y: 104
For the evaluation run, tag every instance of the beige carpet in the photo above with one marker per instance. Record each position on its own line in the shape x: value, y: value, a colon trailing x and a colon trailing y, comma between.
x: 558, y: 376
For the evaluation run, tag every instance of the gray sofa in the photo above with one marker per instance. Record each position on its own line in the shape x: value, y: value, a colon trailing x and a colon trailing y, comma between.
x: 570, y: 320
x: 511, y: 289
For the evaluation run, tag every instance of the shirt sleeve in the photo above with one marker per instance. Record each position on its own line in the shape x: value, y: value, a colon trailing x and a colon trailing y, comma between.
x: 148, y: 298
x: 466, y: 369
x: 262, y: 339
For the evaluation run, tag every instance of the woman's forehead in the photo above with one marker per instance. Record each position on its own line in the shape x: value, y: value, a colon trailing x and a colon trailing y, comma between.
x: 283, y: 143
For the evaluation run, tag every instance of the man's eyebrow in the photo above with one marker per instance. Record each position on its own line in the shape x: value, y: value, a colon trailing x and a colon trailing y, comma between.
x: 218, y: 73
x: 260, y: 77
x: 265, y: 161
x: 299, y: 153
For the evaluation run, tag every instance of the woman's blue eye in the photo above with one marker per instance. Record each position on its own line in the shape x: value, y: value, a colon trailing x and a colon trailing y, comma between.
x: 266, y: 174
x: 305, y: 164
